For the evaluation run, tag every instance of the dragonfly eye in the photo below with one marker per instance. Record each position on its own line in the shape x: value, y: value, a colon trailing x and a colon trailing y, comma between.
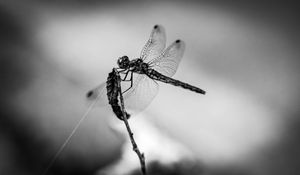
x: 123, y: 62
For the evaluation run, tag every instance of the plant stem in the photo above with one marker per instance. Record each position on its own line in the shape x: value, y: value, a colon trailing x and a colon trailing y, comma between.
x: 134, y: 145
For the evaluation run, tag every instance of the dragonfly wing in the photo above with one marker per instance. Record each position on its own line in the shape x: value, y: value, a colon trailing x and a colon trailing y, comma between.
x: 99, y: 93
x: 167, y: 63
x: 141, y: 94
x: 136, y: 99
x: 155, y: 45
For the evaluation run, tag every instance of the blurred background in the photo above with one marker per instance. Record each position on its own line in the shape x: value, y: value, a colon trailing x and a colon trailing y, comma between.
x: 244, y: 54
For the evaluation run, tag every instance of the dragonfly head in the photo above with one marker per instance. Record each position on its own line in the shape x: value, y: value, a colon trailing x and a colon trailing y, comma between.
x: 123, y: 62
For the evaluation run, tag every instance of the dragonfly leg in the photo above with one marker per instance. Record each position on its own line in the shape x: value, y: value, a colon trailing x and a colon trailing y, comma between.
x: 124, y: 71
x: 126, y: 76
x: 131, y: 82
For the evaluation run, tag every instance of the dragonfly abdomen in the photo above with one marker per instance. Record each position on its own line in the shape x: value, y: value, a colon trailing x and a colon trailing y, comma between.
x: 160, y: 77
x: 112, y: 86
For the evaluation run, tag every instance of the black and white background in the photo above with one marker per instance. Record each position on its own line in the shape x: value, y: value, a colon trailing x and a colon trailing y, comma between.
x: 245, y: 54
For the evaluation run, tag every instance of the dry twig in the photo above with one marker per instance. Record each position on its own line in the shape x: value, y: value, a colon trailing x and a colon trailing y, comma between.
x: 134, y: 145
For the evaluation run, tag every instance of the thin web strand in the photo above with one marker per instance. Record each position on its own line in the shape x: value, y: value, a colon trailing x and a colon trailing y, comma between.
x: 61, y: 148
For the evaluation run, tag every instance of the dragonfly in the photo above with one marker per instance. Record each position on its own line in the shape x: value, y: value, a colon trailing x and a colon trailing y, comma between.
x: 156, y: 63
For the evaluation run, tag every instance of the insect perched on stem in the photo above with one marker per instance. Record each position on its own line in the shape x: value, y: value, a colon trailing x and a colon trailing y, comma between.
x: 156, y: 63
x: 142, y: 73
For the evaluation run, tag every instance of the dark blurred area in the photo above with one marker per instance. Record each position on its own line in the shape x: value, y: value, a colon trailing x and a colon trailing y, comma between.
x: 24, y: 147
x: 245, y: 54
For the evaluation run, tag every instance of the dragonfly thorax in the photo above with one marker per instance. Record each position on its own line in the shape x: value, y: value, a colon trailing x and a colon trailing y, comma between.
x: 138, y: 66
